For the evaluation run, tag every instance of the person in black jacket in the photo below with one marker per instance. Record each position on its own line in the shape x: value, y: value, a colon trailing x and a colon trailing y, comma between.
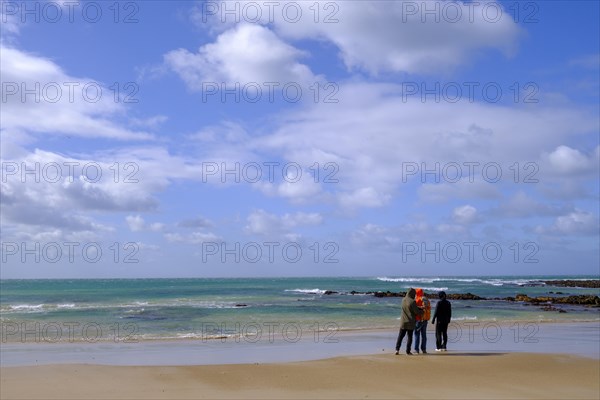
x: 443, y: 314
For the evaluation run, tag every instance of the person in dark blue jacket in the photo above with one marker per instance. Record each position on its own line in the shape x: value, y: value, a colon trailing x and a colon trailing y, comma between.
x: 443, y: 315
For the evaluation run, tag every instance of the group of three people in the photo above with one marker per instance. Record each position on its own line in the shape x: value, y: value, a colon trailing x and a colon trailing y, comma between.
x: 415, y: 316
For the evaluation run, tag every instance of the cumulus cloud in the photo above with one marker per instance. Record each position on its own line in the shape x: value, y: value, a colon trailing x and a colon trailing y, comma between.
x: 567, y: 161
x: 363, y: 197
x: 300, y: 191
x: 466, y: 214
x: 45, y: 191
x: 379, y: 128
x: 244, y: 54
x: 578, y: 222
x: 60, y: 103
x: 193, y: 238
x: 137, y: 224
x: 263, y: 223
x: 380, y: 36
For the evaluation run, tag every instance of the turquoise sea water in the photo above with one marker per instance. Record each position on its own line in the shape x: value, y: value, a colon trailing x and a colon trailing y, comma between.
x: 121, y: 309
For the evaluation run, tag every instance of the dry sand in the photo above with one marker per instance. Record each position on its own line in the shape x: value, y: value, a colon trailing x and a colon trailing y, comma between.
x: 433, y: 376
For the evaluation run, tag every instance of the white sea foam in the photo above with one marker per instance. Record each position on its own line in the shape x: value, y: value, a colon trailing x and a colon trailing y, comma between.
x: 489, y: 281
x: 425, y: 280
x: 27, y: 307
x: 435, y: 289
x: 135, y: 311
x: 306, y: 291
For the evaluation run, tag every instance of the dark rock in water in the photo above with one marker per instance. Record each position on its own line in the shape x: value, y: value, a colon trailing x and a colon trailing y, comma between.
x: 584, y: 300
x: 465, y: 296
x: 552, y: 308
x: 587, y: 300
x: 241, y: 305
x: 590, y: 283
x: 389, y: 294
x: 457, y: 296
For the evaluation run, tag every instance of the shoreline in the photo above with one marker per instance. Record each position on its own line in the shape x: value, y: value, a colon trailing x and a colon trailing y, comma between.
x: 210, y: 337
x: 467, y: 336
x: 480, y: 376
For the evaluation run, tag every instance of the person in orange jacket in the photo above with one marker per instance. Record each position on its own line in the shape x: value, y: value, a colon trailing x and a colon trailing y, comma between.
x: 422, y: 320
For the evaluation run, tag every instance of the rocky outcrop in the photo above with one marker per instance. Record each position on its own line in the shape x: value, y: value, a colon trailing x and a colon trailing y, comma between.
x: 388, y: 294
x: 552, y: 308
x: 590, y: 283
x: 584, y: 300
x: 458, y: 296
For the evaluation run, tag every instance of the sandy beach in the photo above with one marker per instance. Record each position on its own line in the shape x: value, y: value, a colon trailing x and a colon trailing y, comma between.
x: 443, y: 376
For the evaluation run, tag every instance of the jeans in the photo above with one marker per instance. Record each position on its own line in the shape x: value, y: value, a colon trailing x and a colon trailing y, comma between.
x: 401, y: 335
x: 441, y: 335
x: 421, y: 335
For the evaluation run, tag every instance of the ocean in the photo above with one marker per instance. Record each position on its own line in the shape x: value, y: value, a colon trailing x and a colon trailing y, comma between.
x: 97, y: 310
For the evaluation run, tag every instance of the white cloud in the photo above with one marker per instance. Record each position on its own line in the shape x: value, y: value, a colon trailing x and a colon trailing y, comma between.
x: 297, y: 192
x: 370, y: 236
x: 261, y: 222
x: 578, y: 222
x: 374, y: 235
x: 463, y: 189
x: 137, y: 224
x: 152, y: 122
x: 378, y: 36
x: 244, y: 54
x: 72, y: 194
x: 565, y: 173
x: 520, y: 205
x: 451, y: 230
x: 11, y: 25
x: 193, y: 238
x: 567, y: 161
x: 466, y: 214
x: 373, y: 132
x: 363, y: 197
x: 61, y: 104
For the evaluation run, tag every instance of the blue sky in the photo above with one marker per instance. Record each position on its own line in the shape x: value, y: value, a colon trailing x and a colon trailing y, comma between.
x: 388, y: 89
